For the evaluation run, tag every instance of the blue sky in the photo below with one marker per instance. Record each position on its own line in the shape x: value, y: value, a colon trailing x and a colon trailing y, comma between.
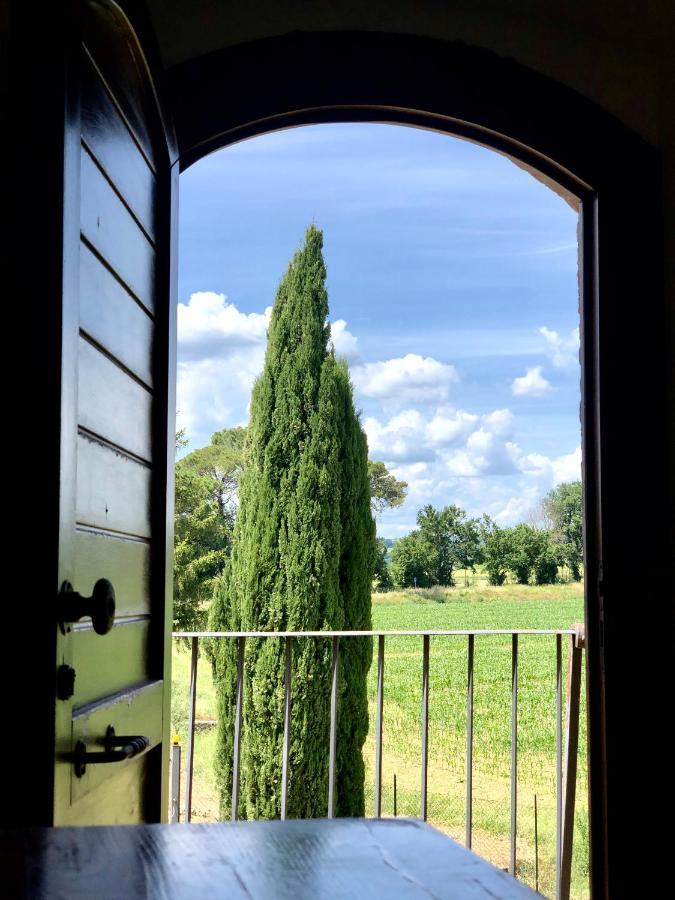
x: 452, y: 282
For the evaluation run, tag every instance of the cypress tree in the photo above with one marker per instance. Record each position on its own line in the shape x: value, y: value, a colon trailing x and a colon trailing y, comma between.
x: 297, y: 563
x: 357, y: 557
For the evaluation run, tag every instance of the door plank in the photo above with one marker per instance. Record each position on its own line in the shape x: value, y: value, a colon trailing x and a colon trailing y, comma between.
x: 113, y: 490
x: 110, y: 315
x: 120, y: 799
x: 121, y: 64
x: 109, y: 226
x: 112, y: 404
x: 124, y: 562
x: 106, y: 664
x: 111, y: 142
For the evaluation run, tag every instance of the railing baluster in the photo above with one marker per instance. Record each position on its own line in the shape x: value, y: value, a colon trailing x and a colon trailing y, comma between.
x: 469, y: 742
x: 333, y: 727
x: 175, y: 783
x: 558, y: 760
x: 571, y: 749
x: 241, y: 645
x: 287, y: 726
x: 189, y: 762
x: 378, y: 726
x: 425, y: 725
x: 514, y: 750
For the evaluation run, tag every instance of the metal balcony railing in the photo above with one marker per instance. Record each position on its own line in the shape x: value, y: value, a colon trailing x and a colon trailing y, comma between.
x: 566, y: 744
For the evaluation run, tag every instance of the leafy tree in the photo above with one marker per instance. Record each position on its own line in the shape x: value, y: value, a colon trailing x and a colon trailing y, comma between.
x: 523, y: 545
x: 496, y: 548
x: 413, y: 561
x: 222, y: 460
x: 442, y: 529
x: 530, y: 552
x: 386, y: 492
x: 468, y: 547
x: 202, y: 539
x: 564, y: 508
x: 301, y: 560
x: 381, y: 573
x: 546, y: 562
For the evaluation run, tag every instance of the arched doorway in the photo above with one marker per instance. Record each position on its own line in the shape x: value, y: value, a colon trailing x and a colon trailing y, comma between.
x: 580, y: 151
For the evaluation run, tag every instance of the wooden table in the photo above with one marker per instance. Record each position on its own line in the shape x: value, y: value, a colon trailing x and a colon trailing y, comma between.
x: 324, y: 858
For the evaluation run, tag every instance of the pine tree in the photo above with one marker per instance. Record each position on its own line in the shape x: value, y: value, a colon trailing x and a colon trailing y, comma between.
x: 297, y: 563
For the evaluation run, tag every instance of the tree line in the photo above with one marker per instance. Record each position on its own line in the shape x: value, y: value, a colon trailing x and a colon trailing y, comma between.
x: 446, y: 540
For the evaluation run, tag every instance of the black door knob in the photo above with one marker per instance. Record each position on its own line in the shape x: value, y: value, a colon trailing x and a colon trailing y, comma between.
x: 100, y: 606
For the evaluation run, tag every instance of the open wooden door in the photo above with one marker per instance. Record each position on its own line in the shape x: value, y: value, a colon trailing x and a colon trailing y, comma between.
x: 117, y: 432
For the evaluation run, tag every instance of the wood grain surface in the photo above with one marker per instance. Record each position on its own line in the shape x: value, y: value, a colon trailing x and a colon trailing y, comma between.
x: 331, y: 859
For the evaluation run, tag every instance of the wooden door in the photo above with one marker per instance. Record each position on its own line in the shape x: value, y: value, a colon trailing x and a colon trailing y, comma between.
x: 118, y: 418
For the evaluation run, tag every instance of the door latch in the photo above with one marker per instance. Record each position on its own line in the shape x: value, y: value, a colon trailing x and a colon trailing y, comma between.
x: 129, y: 746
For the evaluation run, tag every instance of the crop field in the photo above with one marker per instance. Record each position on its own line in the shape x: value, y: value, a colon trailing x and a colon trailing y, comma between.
x: 478, y: 607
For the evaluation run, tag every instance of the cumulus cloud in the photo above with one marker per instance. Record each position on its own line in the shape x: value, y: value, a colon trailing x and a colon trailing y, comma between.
x: 540, y: 474
x: 407, y: 379
x: 568, y: 467
x: 563, y: 351
x: 485, y: 453
x: 210, y: 326
x: 514, y: 510
x: 449, y: 425
x: 549, y: 472
x: 453, y: 456
x: 398, y: 440
x: 532, y: 384
x: 500, y: 422
x: 214, y: 393
x: 344, y: 342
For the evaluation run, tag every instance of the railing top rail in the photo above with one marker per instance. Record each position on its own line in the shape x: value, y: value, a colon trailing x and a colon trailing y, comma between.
x: 396, y: 633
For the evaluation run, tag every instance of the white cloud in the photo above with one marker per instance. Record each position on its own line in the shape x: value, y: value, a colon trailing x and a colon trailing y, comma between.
x: 540, y: 474
x: 514, y: 510
x: 567, y: 468
x: 563, y: 351
x: 484, y: 454
x: 214, y: 393
x: 532, y: 384
x: 500, y: 422
x: 344, y: 342
x: 399, y: 439
x: 209, y: 326
x: 406, y: 379
x: 549, y: 472
x: 449, y: 425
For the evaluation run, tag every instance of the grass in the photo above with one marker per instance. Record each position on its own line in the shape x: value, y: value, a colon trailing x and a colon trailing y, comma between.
x: 478, y: 607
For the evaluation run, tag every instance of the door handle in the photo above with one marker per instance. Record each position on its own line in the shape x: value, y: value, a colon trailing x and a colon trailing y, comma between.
x: 100, y: 606
x: 129, y: 746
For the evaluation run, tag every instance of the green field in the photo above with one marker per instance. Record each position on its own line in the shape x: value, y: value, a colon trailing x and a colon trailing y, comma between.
x: 478, y: 607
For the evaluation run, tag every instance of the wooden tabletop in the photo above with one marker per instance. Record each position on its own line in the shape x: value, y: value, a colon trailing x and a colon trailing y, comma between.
x: 323, y: 858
